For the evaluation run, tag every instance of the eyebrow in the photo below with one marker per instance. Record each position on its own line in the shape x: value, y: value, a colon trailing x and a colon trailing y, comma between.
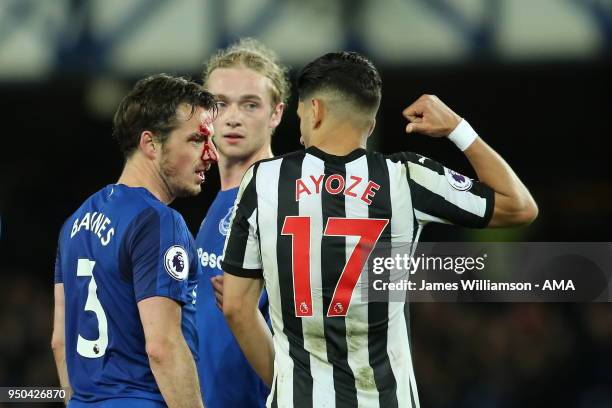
x: 242, y: 97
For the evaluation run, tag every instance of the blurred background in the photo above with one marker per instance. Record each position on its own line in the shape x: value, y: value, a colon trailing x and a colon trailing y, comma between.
x: 532, y: 77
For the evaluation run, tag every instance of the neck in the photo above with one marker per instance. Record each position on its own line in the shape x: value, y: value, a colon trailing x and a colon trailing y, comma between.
x: 139, y: 173
x: 339, y: 139
x: 231, y: 170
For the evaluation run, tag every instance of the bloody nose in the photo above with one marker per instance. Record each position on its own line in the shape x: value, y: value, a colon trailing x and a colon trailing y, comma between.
x: 209, y: 153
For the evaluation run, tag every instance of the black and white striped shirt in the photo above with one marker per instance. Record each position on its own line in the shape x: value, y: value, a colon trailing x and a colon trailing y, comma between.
x: 298, y: 223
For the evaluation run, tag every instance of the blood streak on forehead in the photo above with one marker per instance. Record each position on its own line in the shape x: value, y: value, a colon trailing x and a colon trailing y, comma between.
x: 206, y: 125
x: 206, y: 129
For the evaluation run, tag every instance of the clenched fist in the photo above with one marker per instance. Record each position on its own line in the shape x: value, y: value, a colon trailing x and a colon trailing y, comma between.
x: 429, y: 116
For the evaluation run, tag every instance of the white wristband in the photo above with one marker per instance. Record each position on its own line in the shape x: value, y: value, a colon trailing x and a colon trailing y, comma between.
x: 463, y: 135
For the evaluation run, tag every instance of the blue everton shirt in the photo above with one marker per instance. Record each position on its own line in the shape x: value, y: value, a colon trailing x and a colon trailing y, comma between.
x: 121, y: 246
x: 226, y: 377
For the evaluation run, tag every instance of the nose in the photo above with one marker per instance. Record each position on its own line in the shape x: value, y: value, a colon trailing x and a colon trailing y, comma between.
x: 232, y: 116
x: 209, y: 152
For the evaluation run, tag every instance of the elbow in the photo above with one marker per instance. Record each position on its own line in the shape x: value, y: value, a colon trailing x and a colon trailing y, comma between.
x: 533, y: 213
x: 515, y: 213
x: 57, y: 343
x: 232, y: 311
x: 159, y: 351
x: 528, y: 213
x: 524, y: 214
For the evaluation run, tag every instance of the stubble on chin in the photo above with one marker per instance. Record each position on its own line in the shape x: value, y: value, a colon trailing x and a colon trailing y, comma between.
x: 182, y: 189
x: 174, y: 184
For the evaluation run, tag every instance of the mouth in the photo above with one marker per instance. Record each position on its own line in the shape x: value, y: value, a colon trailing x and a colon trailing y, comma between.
x: 201, y: 172
x: 233, y: 137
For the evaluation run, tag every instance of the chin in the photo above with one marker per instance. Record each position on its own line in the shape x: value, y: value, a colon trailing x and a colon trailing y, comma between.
x: 189, y: 191
x: 236, y: 152
x: 196, y: 190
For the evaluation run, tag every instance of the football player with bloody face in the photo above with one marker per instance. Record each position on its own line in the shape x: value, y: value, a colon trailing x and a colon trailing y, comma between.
x: 126, y: 268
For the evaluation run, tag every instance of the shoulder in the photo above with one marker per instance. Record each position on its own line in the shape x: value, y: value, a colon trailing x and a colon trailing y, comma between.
x: 142, y: 215
x: 415, y: 162
x: 295, y: 155
x: 80, y: 211
x: 403, y: 157
x: 168, y: 219
x: 159, y: 231
x: 272, y: 163
x: 146, y: 207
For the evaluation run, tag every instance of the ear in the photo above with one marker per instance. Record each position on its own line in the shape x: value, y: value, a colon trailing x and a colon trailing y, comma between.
x: 317, y: 112
x: 372, y: 126
x: 147, y: 144
x: 277, y: 115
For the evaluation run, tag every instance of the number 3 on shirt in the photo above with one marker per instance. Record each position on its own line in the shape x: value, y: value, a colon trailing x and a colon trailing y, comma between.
x: 92, y: 348
x: 368, y: 230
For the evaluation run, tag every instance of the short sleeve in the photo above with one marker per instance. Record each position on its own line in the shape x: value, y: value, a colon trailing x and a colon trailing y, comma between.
x: 157, y: 247
x: 241, y: 254
x: 440, y: 194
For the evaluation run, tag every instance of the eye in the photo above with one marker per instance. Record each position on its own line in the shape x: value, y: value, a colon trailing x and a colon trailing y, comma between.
x: 221, y: 105
x: 251, y: 105
x: 198, y: 140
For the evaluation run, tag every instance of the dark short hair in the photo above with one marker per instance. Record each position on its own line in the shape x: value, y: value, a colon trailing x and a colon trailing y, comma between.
x: 348, y: 73
x: 152, y: 105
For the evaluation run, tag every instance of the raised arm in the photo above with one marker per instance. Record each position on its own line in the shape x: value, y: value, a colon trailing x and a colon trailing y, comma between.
x: 514, y: 205
x: 170, y: 358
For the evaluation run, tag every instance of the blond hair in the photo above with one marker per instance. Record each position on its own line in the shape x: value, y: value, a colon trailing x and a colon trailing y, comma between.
x: 252, y: 54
